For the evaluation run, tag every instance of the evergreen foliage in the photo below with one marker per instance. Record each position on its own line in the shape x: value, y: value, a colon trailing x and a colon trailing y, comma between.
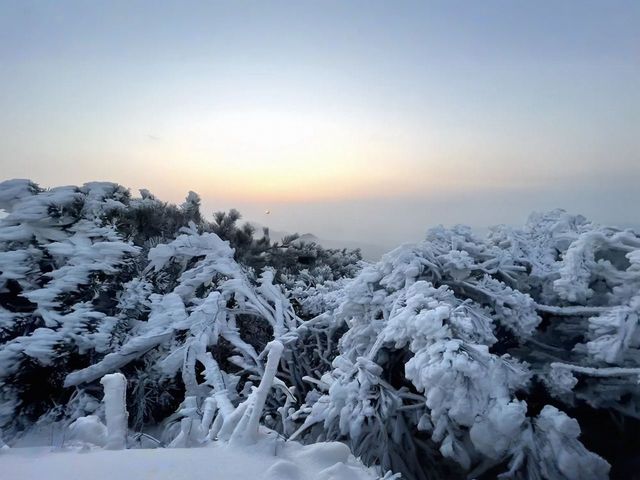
x: 517, y: 354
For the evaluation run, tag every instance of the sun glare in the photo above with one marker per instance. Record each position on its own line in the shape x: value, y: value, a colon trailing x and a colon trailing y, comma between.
x: 274, y: 156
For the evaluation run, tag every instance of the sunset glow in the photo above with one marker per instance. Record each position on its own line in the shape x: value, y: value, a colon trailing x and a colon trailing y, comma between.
x: 388, y: 106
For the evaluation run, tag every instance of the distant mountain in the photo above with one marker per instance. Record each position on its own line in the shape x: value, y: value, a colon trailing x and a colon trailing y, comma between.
x: 370, y: 252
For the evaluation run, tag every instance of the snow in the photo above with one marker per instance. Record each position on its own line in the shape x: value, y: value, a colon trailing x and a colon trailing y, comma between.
x: 435, y: 352
x: 275, y: 349
x: 270, y: 459
x: 90, y: 430
x: 115, y: 391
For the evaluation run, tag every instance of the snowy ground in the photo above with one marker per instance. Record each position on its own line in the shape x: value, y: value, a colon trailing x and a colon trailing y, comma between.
x: 267, y: 460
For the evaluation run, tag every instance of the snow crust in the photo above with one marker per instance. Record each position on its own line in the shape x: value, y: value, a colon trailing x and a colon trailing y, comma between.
x: 269, y: 459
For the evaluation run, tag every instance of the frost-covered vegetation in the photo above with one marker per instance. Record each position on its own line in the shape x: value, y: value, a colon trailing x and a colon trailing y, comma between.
x: 517, y: 354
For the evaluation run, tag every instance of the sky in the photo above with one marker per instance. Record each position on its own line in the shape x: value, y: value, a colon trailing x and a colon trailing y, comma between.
x: 355, y: 120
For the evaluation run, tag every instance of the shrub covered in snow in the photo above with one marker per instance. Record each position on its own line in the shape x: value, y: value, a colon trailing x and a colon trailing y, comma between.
x: 460, y: 354
x: 517, y: 354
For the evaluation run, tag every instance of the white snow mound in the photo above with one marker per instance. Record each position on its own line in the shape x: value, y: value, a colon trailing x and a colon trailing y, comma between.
x: 267, y: 460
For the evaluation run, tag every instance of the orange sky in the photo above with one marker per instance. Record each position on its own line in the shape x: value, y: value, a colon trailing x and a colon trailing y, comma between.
x: 487, y: 110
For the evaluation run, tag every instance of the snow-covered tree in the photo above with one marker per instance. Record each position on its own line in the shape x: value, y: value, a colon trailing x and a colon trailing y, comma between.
x: 517, y: 354
x: 466, y: 350
x: 61, y: 267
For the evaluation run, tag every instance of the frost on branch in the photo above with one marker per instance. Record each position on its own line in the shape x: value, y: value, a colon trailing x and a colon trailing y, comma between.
x: 214, y: 314
x: 457, y: 338
x: 550, y: 449
x: 457, y: 357
x: 241, y: 427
